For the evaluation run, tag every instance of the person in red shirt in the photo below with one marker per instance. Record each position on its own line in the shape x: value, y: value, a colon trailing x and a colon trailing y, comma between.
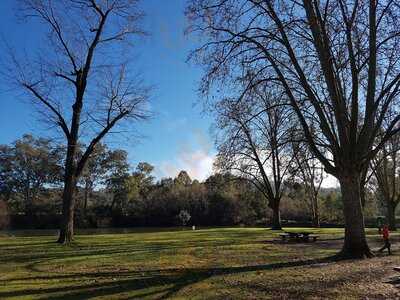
x: 385, y: 235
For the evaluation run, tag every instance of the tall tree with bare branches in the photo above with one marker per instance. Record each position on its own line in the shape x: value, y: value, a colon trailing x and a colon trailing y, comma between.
x: 252, y: 142
x: 338, y: 62
x: 386, y: 172
x: 308, y: 172
x: 81, y: 82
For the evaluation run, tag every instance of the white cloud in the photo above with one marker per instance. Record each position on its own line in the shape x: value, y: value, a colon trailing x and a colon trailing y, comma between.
x: 198, y: 164
x: 195, y: 159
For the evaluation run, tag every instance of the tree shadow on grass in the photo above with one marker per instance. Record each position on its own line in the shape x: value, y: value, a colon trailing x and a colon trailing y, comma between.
x: 52, y: 251
x: 161, y: 284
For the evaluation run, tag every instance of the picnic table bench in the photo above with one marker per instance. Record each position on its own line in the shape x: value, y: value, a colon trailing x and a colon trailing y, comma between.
x: 298, y: 236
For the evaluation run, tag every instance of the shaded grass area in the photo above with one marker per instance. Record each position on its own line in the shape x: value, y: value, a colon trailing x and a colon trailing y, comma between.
x: 222, y: 263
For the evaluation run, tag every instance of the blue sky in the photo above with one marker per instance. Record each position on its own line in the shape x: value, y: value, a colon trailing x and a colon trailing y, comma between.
x: 178, y: 136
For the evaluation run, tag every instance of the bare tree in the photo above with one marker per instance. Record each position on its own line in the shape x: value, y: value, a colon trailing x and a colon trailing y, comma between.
x: 338, y: 62
x: 386, y: 172
x: 309, y: 173
x: 80, y: 81
x: 252, y: 142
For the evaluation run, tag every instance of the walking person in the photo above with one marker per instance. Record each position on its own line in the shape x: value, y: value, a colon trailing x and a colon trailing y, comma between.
x: 385, y: 236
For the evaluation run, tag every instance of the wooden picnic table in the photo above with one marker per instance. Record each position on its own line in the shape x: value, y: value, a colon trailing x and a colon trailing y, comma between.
x: 298, y: 236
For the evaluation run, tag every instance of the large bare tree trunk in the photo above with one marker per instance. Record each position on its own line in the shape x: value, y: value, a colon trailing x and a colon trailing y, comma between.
x: 70, y: 181
x: 276, y: 216
x: 67, y: 222
x: 391, y: 215
x: 355, y: 243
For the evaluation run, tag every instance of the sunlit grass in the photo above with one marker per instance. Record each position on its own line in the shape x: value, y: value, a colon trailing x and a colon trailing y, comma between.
x: 221, y: 263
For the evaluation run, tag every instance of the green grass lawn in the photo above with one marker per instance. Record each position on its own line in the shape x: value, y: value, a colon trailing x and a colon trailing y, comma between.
x: 222, y: 263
